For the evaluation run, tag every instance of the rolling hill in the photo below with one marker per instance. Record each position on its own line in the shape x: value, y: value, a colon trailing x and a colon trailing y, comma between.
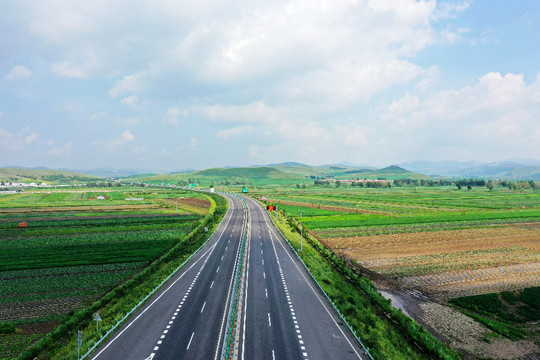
x: 15, y: 174
x: 285, y: 173
x: 263, y: 174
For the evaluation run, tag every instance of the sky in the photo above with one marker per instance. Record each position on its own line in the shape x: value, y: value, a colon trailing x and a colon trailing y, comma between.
x: 165, y: 85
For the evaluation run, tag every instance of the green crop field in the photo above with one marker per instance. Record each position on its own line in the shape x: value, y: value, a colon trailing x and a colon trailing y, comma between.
x: 76, y: 248
x: 446, y: 243
x: 417, y: 233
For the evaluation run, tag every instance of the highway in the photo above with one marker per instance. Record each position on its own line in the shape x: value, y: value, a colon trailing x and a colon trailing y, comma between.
x: 281, y: 313
x: 284, y: 314
x: 186, y: 319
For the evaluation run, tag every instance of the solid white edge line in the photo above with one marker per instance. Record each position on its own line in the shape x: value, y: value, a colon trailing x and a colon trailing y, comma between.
x: 165, y: 291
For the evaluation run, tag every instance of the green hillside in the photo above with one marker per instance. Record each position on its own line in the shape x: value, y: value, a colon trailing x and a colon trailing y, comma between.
x: 389, y: 173
x: 47, y: 176
x: 280, y: 174
x: 324, y: 171
x: 245, y: 175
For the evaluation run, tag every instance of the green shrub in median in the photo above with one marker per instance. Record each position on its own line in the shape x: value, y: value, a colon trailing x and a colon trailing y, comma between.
x: 61, y: 343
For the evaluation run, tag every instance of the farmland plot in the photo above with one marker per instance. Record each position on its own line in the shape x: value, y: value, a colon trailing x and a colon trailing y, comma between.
x: 447, y: 242
x: 72, y: 254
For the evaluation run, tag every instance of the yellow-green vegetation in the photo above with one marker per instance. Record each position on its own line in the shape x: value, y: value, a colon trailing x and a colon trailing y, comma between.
x: 507, y: 314
x: 59, y: 258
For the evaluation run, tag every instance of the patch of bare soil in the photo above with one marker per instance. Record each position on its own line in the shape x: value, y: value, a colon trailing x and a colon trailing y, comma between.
x: 459, y: 331
x: 38, y: 328
x: 38, y: 308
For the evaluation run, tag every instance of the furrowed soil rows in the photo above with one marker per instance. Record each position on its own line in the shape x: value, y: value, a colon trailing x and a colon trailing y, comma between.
x: 478, y: 281
x: 411, y: 254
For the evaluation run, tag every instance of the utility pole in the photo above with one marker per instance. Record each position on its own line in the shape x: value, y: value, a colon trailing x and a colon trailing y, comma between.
x: 277, y: 213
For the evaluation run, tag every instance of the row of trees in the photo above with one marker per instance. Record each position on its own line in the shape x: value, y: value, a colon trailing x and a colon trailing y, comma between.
x: 490, y: 184
x: 367, y: 184
x: 422, y: 182
x: 103, y: 184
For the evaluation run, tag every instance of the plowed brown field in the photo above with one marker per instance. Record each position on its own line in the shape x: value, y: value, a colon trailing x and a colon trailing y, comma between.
x: 455, y: 262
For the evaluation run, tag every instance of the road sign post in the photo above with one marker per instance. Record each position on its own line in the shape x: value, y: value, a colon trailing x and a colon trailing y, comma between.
x: 97, y: 319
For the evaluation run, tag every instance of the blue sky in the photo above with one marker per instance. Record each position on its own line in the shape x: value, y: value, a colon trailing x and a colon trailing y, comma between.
x: 166, y: 85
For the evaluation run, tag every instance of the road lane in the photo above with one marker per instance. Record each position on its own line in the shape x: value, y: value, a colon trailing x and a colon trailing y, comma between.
x: 283, y: 315
x: 185, y: 319
x: 309, y: 327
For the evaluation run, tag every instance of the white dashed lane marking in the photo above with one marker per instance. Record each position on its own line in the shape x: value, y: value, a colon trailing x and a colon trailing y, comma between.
x: 289, y: 302
x: 168, y: 326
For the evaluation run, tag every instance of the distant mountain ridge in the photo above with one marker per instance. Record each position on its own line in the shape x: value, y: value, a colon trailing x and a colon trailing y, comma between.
x: 512, y: 169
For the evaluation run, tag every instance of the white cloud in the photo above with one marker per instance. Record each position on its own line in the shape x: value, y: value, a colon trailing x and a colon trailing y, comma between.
x: 494, y: 117
x: 173, y: 116
x: 235, y: 131
x: 16, y: 141
x: 98, y: 116
x: 19, y: 72
x: 68, y: 69
x: 30, y: 138
x: 349, y: 82
x: 129, y: 84
x: 132, y: 101
x: 65, y: 150
x: 193, y: 142
x: 255, y: 112
x: 447, y: 10
x: 7, y: 140
x: 117, y: 143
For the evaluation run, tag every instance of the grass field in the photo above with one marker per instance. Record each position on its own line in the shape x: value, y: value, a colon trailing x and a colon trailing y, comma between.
x: 507, y: 314
x: 76, y: 248
x: 450, y: 243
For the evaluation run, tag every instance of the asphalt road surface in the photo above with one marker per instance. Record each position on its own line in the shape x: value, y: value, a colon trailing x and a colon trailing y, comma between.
x: 282, y: 313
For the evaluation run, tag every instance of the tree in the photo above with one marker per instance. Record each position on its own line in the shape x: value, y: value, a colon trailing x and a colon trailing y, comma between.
x: 469, y: 187
x: 489, y: 185
x: 458, y: 184
x: 338, y: 183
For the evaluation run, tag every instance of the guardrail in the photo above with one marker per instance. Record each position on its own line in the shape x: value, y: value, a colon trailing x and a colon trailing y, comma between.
x: 136, y: 307
x: 341, y: 316
x: 229, y: 342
